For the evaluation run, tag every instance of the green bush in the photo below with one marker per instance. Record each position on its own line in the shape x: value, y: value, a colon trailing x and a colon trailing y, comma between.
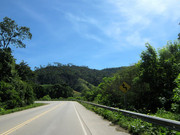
x: 176, y: 97
x: 9, y: 96
x: 46, y: 98
x: 167, y: 114
x: 2, y: 110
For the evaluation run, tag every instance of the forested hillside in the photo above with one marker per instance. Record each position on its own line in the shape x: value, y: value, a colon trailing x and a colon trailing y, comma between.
x: 72, y: 75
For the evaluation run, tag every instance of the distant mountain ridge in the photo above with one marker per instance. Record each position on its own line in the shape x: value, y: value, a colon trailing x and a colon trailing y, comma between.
x: 72, y: 74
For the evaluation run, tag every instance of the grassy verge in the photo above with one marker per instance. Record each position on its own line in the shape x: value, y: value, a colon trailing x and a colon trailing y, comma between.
x: 166, y: 114
x: 134, y: 126
x: 3, y: 112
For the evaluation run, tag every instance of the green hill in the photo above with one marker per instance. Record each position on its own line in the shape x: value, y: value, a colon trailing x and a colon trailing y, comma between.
x: 77, y: 77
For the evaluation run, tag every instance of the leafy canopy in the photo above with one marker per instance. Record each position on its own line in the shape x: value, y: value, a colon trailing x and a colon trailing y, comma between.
x: 12, y: 34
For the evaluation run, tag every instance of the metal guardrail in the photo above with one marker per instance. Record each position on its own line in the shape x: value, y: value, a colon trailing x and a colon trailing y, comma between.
x: 171, y: 124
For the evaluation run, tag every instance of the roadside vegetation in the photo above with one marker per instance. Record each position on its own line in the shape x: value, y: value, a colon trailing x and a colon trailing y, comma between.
x: 155, y: 90
x: 7, y: 111
x: 154, y: 81
x: 136, y: 126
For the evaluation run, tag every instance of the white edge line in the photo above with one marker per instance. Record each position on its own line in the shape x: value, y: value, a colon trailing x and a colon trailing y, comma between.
x: 85, y: 133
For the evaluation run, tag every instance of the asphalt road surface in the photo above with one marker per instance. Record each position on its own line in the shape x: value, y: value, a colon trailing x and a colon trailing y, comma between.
x: 57, y: 118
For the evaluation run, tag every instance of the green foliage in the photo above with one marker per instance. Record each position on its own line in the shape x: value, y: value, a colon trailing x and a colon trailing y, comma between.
x: 7, y: 111
x: 14, y: 92
x: 149, y: 74
x: 39, y: 91
x: 110, y: 94
x: 46, y: 98
x: 135, y: 126
x: 9, y: 96
x: 176, y: 96
x: 76, y: 94
x: 151, y: 79
x: 83, y: 85
x: 149, y: 66
x: 159, y: 71
x: 7, y: 63
x: 167, y: 114
x: 54, y: 91
x: 61, y: 91
x: 71, y: 75
x: 89, y: 91
x: 25, y: 91
x: 25, y: 72
x: 11, y: 33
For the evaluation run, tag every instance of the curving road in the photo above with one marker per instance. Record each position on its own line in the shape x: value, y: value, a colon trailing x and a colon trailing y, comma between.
x: 56, y: 118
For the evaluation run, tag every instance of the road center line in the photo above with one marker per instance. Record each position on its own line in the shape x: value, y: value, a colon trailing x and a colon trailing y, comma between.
x: 28, y: 121
x: 82, y: 125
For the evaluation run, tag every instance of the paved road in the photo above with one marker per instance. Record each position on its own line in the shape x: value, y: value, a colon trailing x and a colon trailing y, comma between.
x: 56, y: 118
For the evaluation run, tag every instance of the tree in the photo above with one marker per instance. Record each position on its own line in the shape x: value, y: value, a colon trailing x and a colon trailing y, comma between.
x: 7, y: 65
x: 9, y: 96
x: 148, y: 68
x: 11, y: 33
x: 25, y: 72
x: 176, y: 96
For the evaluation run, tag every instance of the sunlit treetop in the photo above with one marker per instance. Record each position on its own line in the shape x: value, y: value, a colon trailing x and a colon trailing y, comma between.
x: 12, y: 34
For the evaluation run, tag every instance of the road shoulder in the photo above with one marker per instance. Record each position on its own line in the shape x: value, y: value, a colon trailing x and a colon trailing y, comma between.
x: 96, y: 124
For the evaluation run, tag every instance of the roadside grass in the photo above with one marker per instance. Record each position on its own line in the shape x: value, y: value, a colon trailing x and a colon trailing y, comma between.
x: 3, y: 111
x: 136, y: 126
x: 168, y: 115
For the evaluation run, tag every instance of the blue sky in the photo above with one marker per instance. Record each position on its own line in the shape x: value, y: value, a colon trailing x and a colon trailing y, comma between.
x: 94, y: 33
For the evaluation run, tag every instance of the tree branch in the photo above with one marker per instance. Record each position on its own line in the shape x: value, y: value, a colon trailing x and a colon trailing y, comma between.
x: 3, y: 40
x: 1, y: 44
x: 9, y: 40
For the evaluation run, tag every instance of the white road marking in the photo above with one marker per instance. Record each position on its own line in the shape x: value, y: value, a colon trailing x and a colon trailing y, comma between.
x: 82, y: 125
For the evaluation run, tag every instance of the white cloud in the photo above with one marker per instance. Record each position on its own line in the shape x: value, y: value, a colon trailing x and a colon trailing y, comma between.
x: 135, y: 39
x: 137, y: 17
x: 83, y: 18
x: 126, y: 21
x: 82, y: 24
x: 142, y: 11
x: 94, y: 37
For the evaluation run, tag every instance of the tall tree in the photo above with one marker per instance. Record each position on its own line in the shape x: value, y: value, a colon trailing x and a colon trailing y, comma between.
x: 25, y: 72
x: 12, y: 34
x: 7, y: 65
x: 149, y: 66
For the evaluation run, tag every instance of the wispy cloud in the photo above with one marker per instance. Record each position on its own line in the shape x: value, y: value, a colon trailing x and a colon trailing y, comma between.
x: 41, y: 18
x: 119, y: 22
x: 137, y: 18
x: 94, y: 37
x: 135, y: 39
x: 145, y: 9
x: 84, y: 25
x: 32, y: 13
